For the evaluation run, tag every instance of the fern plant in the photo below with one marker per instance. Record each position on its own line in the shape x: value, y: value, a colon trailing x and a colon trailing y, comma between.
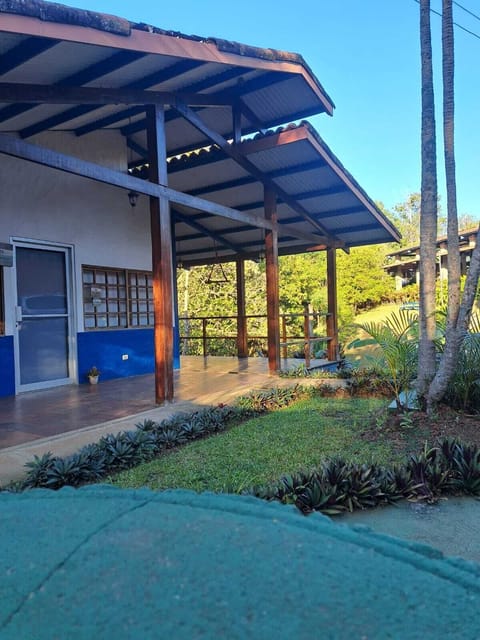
x: 397, y: 339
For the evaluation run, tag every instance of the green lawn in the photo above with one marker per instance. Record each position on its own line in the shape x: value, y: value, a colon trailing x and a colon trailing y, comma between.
x: 262, y: 449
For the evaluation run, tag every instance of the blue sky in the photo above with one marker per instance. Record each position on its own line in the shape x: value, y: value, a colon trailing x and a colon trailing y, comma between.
x: 366, y: 55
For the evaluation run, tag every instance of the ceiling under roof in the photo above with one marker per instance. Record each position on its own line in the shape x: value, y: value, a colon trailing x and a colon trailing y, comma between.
x: 297, y: 161
x: 55, y: 46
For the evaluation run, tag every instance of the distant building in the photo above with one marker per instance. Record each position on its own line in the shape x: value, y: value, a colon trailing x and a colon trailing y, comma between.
x: 403, y: 265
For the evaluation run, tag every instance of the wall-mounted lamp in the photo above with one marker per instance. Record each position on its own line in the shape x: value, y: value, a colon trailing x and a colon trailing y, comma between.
x: 132, y: 198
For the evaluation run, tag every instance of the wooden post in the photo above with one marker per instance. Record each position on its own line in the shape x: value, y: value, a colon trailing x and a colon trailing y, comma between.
x: 271, y: 260
x: 332, y: 321
x: 242, y: 341
x: 204, y: 337
x: 306, y: 333
x: 162, y: 267
x: 284, y: 337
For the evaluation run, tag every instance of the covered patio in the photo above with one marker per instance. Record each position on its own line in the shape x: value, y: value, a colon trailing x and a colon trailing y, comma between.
x: 94, y: 108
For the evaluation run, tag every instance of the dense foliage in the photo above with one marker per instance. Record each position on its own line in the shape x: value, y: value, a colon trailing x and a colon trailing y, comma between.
x: 397, y: 339
x: 211, y: 291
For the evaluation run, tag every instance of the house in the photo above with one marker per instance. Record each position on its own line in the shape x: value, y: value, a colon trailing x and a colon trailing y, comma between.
x: 98, y: 114
x: 403, y: 264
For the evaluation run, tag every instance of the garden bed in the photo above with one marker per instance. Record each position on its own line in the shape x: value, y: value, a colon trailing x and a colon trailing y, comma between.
x: 408, y: 432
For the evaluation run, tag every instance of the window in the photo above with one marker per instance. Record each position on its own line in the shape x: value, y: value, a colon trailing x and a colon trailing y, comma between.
x: 116, y: 298
x: 140, y: 297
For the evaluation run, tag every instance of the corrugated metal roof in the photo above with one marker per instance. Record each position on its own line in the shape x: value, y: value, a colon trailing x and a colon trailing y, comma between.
x: 326, y: 190
x: 276, y: 86
x: 49, y: 44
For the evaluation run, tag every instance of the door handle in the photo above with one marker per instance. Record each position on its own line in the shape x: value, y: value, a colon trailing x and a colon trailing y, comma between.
x: 18, y: 316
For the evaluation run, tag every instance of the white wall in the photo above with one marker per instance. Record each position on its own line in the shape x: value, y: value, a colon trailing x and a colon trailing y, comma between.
x: 97, y: 220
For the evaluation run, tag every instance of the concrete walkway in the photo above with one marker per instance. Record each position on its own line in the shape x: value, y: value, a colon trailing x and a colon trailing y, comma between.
x: 451, y: 525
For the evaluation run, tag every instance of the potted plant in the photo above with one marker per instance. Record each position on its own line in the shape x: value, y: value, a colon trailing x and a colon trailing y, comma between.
x: 93, y: 374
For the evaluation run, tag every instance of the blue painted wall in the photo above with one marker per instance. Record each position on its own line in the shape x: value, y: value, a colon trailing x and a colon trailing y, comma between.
x: 7, y: 366
x: 104, y: 349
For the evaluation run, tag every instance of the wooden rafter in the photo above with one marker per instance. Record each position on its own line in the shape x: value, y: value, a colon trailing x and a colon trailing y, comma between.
x: 23, y: 52
x: 88, y: 74
x: 153, y: 80
x: 53, y: 94
x: 174, y: 71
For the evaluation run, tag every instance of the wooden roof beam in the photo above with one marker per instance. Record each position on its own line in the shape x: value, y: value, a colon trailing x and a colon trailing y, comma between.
x: 196, y: 87
x: 137, y: 148
x: 233, y: 94
x: 174, y: 71
x: 53, y: 94
x: 17, y: 148
x: 88, y: 74
x: 27, y: 50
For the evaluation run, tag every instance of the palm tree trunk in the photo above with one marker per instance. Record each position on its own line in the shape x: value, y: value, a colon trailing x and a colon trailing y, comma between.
x: 453, y: 338
x: 428, y: 218
x: 458, y: 314
x: 448, y: 58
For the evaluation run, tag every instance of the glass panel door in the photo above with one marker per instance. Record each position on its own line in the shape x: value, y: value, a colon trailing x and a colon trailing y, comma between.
x: 42, y: 316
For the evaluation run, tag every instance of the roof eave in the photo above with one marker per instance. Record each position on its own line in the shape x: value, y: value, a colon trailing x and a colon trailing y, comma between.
x: 121, y: 34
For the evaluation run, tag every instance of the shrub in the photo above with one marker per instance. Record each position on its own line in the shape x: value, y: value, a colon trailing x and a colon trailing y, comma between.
x: 397, y: 338
x: 258, y: 402
x: 450, y: 467
x: 369, y: 381
x: 464, y: 390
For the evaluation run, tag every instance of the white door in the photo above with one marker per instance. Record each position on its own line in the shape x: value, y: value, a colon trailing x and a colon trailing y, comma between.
x: 44, y: 354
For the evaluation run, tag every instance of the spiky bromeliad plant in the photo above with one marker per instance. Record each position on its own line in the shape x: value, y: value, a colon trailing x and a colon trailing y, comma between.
x: 397, y: 339
x: 464, y: 389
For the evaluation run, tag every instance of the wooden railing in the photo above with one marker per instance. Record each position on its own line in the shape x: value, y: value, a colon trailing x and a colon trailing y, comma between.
x: 217, y: 335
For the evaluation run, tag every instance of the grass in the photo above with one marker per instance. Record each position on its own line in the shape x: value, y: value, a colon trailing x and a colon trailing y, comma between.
x: 260, y: 450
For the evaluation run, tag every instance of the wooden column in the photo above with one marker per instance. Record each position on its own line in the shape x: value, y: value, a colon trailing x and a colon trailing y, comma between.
x: 307, y: 309
x: 332, y: 318
x: 242, y: 346
x: 162, y: 267
x: 271, y: 260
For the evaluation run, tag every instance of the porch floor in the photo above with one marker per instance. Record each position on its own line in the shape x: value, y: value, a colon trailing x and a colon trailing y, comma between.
x: 65, y: 418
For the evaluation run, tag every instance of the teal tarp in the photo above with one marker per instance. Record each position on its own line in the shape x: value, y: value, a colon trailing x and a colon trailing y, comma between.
x: 101, y: 563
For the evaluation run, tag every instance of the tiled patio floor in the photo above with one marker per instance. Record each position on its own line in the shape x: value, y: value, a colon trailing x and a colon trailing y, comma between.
x: 39, y: 414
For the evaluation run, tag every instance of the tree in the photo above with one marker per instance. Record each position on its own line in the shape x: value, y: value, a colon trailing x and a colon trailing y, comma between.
x: 467, y: 221
x: 362, y: 282
x: 432, y: 384
x: 428, y: 219
x: 211, y: 291
x: 406, y: 217
x: 458, y: 309
x: 303, y: 277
